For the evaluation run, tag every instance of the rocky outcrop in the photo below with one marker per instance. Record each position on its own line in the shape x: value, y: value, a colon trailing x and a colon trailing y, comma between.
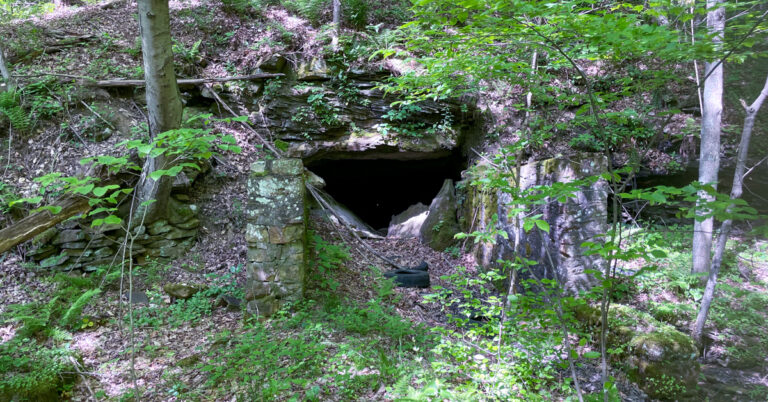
x: 324, y: 116
x: 408, y: 223
x: 662, y: 360
x: 440, y: 224
x: 276, y: 234
x: 572, y: 220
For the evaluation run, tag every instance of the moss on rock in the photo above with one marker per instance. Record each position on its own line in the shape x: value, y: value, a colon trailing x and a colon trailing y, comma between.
x: 662, y: 360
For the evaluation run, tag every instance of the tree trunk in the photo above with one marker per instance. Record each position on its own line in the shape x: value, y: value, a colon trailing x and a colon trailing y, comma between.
x: 163, y: 102
x: 709, y: 157
x: 738, y: 179
x: 4, y: 69
x: 336, y: 24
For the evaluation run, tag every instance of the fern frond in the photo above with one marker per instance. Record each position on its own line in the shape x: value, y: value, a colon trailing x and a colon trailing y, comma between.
x: 72, y: 316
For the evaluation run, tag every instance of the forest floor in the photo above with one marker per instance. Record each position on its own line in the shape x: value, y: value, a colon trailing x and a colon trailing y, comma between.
x: 354, y: 336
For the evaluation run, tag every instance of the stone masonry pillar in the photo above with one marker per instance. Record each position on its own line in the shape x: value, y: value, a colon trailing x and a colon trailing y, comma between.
x: 276, y: 235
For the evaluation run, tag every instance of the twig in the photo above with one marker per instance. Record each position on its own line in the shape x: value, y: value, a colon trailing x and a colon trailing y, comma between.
x: 98, y: 115
x: 10, y: 143
x: 45, y: 73
x: 76, y: 365
x: 232, y: 112
x: 326, y: 206
x: 189, y: 81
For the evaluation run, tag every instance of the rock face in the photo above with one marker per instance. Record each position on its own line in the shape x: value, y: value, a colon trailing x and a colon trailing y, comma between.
x: 441, y: 224
x: 321, y: 119
x: 408, y: 223
x: 276, y: 234
x: 577, y: 219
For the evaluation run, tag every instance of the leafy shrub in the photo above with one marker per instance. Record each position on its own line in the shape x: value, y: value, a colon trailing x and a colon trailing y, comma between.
x: 319, y: 107
x: 355, y: 13
x: 32, y: 371
x: 64, y: 307
x: 621, y: 128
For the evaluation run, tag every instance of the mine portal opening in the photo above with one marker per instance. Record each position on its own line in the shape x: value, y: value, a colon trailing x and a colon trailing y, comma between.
x: 377, y: 189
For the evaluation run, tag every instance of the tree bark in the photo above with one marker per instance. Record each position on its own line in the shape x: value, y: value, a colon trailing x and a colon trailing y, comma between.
x: 34, y: 224
x: 4, y: 69
x: 163, y: 102
x: 709, y: 157
x: 336, y: 24
x: 738, y: 181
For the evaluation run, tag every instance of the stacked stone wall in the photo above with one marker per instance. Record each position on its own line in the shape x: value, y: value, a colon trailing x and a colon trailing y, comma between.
x: 76, y: 245
x: 276, y: 234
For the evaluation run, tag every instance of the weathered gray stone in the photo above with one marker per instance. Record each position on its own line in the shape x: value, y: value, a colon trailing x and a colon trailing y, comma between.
x: 177, y: 233
x: 54, y: 261
x: 256, y: 233
x: 181, y: 183
x: 159, y: 243
x: 103, y: 252
x: 314, y: 180
x: 182, y: 290
x: 190, y: 224
x: 407, y: 224
x: 263, y: 307
x: 259, y: 288
x: 77, y: 252
x: 43, y: 252
x: 286, y: 234
x: 440, y: 224
x: 287, y: 167
x: 174, y: 249
x: 273, y: 63
x: 159, y: 227
x: 179, y: 212
x: 259, y: 169
x: 313, y: 70
x: 69, y: 236
x: 577, y: 220
x: 77, y: 244
x: 269, y: 254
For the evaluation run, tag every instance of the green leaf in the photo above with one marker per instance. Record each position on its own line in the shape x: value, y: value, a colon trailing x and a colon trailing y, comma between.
x: 112, y: 219
x: 32, y: 200
x: 543, y: 225
x: 54, y: 209
x: 528, y: 225
x: 83, y: 190
x: 659, y: 253
x: 592, y: 355
x: 100, y: 191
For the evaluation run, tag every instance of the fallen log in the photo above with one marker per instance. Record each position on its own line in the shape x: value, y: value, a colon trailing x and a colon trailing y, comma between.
x: 37, y: 223
x: 64, y: 43
x: 188, y: 81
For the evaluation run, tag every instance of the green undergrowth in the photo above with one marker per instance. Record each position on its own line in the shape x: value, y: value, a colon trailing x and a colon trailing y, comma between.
x: 37, y: 363
x: 36, y: 371
x: 739, y: 314
x: 332, y: 346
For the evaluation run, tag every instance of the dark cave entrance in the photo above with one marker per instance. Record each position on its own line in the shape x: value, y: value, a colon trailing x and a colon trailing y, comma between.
x: 376, y: 189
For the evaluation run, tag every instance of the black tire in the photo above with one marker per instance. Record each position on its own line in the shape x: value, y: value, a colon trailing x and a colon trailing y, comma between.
x: 421, y: 267
x: 409, y: 278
